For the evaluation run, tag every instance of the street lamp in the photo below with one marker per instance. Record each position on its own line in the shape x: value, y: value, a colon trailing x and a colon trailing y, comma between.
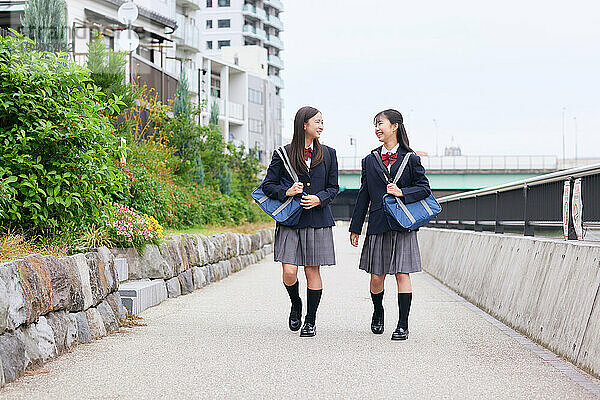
x: 354, y: 143
x: 128, y: 40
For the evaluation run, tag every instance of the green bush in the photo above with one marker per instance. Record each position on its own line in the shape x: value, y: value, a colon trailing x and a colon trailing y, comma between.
x: 59, y: 147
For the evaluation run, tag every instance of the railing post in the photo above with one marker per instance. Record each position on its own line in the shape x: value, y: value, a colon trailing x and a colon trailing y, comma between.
x: 478, y: 226
x: 572, y: 232
x: 528, y: 229
x: 498, y: 228
x: 460, y: 224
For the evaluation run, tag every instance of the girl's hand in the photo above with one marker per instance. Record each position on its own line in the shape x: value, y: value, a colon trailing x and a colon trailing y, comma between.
x: 394, y: 190
x: 354, y: 239
x: 310, y: 201
x: 296, y: 188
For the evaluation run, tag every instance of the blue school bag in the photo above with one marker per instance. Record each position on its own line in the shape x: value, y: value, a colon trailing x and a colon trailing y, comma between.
x: 406, y: 217
x: 287, y: 212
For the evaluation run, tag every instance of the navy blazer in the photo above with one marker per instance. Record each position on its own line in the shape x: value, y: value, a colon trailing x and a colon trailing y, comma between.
x: 314, y: 183
x: 373, y: 185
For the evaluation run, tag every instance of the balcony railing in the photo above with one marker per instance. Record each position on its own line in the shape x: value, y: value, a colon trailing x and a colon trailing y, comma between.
x: 188, y: 34
x: 275, y: 41
x: 236, y: 110
x: 275, y: 4
x: 276, y: 61
x: 277, y: 81
x: 261, y: 33
x: 191, y: 4
x: 253, y: 11
x: 275, y: 22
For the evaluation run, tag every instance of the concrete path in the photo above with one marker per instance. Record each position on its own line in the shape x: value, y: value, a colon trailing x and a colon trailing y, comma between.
x: 230, y: 340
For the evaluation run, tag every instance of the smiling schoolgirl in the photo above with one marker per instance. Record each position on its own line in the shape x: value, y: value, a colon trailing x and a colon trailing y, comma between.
x: 310, y: 242
x: 388, y: 252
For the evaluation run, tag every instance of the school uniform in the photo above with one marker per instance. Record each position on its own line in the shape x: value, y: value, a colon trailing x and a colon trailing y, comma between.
x: 310, y: 241
x: 386, y: 251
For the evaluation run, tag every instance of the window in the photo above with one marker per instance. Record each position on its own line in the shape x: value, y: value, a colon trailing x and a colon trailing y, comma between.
x: 215, y: 86
x: 209, y: 24
x: 208, y: 3
x: 224, y: 23
x: 209, y: 44
x: 255, y: 96
x: 224, y: 3
x: 255, y: 125
x: 224, y: 43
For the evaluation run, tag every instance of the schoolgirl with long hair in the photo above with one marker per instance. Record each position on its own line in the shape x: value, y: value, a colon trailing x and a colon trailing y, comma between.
x: 387, y: 252
x: 310, y: 242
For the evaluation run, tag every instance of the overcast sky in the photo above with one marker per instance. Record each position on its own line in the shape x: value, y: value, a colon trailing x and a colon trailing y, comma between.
x: 495, y: 75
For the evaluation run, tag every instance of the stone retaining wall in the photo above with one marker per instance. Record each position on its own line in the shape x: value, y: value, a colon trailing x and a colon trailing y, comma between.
x: 49, y: 305
x: 547, y: 289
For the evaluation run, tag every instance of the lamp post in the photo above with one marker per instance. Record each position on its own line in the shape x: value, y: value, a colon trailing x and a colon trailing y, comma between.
x: 437, y: 132
x: 128, y: 40
x: 353, y: 143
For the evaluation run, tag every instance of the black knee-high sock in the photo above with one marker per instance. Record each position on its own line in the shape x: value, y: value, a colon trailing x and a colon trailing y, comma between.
x: 313, y: 300
x: 377, y: 302
x: 404, y: 300
x: 294, y: 295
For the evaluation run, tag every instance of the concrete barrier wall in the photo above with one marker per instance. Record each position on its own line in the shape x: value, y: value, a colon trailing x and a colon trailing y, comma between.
x: 546, y: 289
x: 49, y: 305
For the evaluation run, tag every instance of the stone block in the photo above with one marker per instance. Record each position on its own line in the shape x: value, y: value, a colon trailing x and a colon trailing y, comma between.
x: 83, y: 272
x: 98, y: 281
x: 66, y: 293
x: 107, y: 265
x: 64, y: 328
x: 209, y: 248
x: 198, y: 278
x: 115, y: 302
x: 168, y: 257
x: 186, y: 281
x: 39, y: 342
x: 95, y: 322
x: 83, y: 327
x: 76, y: 286
x: 191, y: 249
x: 12, y: 354
x: 137, y: 296
x: 155, y: 266
x: 111, y: 324
x: 173, y: 287
x: 235, y: 264
x: 180, y: 261
x: 255, y: 242
x: 134, y: 261
x: 5, y: 301
x: 122, y: 269
x: 201, y: 248
x: 35, y: 281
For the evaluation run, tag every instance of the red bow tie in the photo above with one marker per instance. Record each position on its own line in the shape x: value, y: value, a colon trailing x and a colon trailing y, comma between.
x: 389, y: 158
x: 307, y: 154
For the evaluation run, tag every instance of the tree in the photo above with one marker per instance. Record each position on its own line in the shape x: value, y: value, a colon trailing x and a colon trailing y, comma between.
x: 45, y: 22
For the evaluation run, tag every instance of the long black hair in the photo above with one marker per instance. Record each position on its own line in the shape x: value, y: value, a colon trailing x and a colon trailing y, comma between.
x: 297, y: 147
x: 395, y: 117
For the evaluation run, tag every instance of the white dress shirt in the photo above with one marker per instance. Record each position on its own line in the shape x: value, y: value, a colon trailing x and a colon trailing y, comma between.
x: 309, y: 158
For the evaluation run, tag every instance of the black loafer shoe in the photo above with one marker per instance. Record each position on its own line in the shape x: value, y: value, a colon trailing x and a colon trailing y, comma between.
x: 308, y: 330
x: 295, y: 320
x: 377, y: 323
x: 400, y: 334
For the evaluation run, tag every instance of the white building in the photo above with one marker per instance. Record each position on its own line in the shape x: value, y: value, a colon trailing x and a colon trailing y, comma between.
x: 244, y: 23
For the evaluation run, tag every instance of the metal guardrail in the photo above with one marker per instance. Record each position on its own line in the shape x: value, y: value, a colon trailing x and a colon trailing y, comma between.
x: 524, y: 205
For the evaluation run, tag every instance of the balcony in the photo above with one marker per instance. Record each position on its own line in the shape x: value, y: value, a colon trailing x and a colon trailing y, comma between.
x: 188, y: 35
x: 277, y: 81
x: 254, y: 12
x: 262, y: 34
x: 236, y: 110
x: 261, y: 13
x: 276, y: 61
x: 192, y: 78
x: 275, y: 4
x: 275, y: 42
x: 274, y: 22
x: 189, y: 4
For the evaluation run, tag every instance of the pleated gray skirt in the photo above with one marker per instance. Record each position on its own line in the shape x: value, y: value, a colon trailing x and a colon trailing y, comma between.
x: 391, y: 253
x: 306, y: 246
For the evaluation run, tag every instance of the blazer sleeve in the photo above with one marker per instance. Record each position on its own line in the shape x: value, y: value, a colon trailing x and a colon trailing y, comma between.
x: 419, y: 188
x: 362, y: 203
x: 272, y: 183
x: 326, y: 196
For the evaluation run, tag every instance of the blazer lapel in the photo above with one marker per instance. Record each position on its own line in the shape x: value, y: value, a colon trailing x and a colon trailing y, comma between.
x: 401, y: 154
x: 378, y: 168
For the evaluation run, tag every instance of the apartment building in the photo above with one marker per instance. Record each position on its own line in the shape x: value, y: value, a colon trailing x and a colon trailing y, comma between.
x: 245, y: 23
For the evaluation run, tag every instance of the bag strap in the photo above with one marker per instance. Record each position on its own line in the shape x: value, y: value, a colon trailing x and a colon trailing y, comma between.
x: 402, y: 167
x: 286, y: 163
x: 327, y: 163
x: 380, y: 162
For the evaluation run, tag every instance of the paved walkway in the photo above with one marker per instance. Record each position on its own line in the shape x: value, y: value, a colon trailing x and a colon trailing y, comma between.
x: 230, y: 340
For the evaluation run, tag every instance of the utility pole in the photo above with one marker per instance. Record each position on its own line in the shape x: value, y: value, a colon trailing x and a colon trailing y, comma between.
x: 563, y: 135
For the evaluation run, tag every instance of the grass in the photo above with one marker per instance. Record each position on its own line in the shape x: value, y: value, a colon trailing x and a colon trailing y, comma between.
x: 13, y: 246
x: 210, y: 229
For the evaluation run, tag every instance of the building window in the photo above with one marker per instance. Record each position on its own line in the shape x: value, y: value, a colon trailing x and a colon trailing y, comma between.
x: 224, y: 43
x: 208, y: 3
x: 224, y: 23
x: 224, y: 3
x: 209, y: 44
x: 209, y: 24
x: 255, y: 96
x: 255, y: 125
x: 215, y: 86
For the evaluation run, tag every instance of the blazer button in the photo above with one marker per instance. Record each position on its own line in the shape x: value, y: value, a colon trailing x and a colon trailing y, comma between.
x: 308, y: 184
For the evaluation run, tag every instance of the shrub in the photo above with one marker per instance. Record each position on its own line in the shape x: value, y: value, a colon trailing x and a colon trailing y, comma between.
x: 59, y: 147
x: 128, y: 228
